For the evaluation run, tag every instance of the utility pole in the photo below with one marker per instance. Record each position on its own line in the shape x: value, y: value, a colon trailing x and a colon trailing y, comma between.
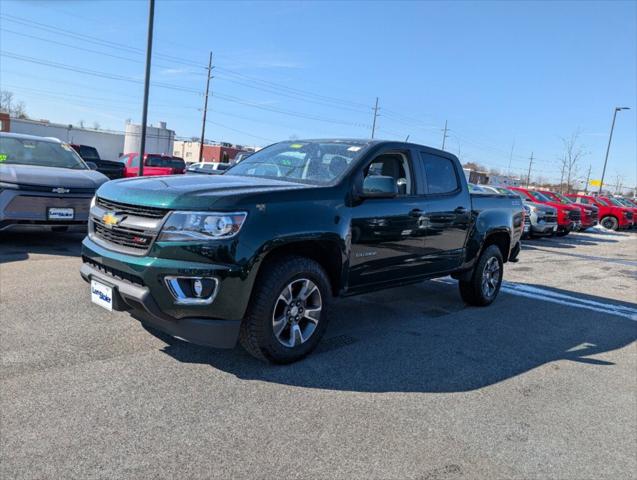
x: 375, y: 116
x: 610, y: 138
x: 444, y: 135
x: 205, y: 109
x: 149, y: 52
x: 588, y: 178
x: 528, y: 177
x: 562, y: 176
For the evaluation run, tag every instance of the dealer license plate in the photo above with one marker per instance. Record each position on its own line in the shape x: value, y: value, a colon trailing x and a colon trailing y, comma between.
x: 57, y: 213
x: 102, y: 295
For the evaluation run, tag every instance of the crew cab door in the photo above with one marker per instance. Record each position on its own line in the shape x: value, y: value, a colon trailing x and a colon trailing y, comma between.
x: 446, y: 210
x: 386, y: 235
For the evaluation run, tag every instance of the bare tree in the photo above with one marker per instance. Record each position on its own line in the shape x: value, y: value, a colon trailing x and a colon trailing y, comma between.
x: 495, y: 171
x: 573, y: 154
x: 81, y: 123
x: 8, y: 105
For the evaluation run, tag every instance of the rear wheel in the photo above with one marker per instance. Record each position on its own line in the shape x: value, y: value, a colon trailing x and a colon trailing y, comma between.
x: 610, y: 223
x: 483, y: 287
x: 288, y: 313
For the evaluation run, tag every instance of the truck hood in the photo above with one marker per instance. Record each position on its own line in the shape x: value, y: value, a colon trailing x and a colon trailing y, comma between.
x: 189, y: 191
x: 51, y: 176
x: 542, y: 207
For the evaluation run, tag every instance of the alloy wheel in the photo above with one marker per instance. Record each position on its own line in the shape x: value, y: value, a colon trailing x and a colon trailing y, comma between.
x: 490, y: 277
x: 297, y: 312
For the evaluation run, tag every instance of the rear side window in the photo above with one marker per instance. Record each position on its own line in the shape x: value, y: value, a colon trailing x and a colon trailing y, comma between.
x: 440, y: 174
x: 88, y: 153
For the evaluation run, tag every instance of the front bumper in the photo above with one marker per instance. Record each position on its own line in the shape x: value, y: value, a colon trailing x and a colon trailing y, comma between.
x: 139, y: 286
x: 28, y: 210
x: 539, y: 229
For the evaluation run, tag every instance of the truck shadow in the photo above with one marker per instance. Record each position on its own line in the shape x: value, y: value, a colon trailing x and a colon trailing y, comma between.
x: 15, y: 246
x: 422, y: 339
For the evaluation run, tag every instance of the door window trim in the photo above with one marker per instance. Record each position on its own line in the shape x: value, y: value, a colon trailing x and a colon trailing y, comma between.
x: 423, y: 174
x: 408, y: 156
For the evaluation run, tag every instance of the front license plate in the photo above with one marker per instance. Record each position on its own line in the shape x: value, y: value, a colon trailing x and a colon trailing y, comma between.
x: 56, y: 213
x: 102, y: 295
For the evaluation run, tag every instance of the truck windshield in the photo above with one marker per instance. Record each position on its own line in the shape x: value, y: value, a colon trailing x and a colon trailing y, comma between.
x: 539, y: 197
x: 21, y: 151
x: 318, y: 162
x: 563, y: 198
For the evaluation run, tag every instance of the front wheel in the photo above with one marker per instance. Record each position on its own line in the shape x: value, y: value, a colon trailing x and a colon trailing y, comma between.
x: 610, y: 223
x: 287, y: 315
x: 483, y: 287
x: 562, y: 233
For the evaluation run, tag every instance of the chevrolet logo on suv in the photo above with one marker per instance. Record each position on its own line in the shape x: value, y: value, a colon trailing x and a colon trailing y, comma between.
x: 60, y: 190
x: 111, y: 219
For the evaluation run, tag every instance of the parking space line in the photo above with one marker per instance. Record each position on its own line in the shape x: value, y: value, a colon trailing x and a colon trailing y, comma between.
x: 547, y: 295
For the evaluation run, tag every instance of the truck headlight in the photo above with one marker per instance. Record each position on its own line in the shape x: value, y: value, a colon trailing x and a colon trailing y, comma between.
x: 197, y: 226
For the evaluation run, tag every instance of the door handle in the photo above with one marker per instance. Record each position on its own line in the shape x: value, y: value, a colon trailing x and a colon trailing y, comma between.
x: 460, y: 210
x: 416, y: 212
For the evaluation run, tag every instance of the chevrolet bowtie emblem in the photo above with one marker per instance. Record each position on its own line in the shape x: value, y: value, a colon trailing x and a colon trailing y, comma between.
x: 110, y: 219
x: 60, y: 190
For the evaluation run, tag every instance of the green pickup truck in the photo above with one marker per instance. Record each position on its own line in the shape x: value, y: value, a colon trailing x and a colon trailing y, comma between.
x: 258, y: 253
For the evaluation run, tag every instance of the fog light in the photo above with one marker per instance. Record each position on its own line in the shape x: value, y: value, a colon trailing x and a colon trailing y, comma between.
x: 197, y: 287
x: 192, y: 290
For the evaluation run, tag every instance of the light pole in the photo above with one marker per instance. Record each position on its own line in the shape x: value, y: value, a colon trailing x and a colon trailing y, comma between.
x: 610, y: 138
x: 149, y: 54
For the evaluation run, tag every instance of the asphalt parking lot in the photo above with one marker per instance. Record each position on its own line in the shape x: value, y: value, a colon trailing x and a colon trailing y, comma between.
x: 408, y: 383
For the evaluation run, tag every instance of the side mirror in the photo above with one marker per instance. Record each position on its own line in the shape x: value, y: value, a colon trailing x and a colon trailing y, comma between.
x: 91, y: 165
x: 379, y: 186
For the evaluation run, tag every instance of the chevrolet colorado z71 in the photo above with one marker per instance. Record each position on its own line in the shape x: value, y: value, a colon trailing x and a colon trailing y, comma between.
x: 259, y: 252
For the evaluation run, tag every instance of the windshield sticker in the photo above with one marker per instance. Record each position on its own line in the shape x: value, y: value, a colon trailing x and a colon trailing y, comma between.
x: 353, y: 149
x: 3, y: 157
x: 296, y: 145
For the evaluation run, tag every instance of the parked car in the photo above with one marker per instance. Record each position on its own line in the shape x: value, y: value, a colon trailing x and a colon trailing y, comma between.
x: 210, y: 168
x: 111, y: 169
x: 44, y: 184
x: 542, y: 217
x: 259, y: 253
x: 568, y: 218
x: 630, y: 211
x: 629, y: 204
x: 588, y: 213
x: 154, y: 164
x: 611, y: 216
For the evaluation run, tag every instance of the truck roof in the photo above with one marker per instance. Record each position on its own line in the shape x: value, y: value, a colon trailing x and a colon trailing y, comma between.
x: 23, y: 136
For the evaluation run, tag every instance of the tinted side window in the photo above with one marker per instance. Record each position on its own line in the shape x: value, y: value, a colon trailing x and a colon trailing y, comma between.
x: 440, y: 174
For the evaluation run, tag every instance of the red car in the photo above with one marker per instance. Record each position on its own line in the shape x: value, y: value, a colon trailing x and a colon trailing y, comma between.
x: 613, y: 201
x: 611, y: 216
x: 568, y: 217
x: 589, y: 213
x: 154, y: 164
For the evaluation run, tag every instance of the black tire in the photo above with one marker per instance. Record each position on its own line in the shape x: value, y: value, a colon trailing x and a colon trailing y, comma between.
x: 610, y: 222
x: 472, y: 291
x: 562, y: 233
x: 257, y: 334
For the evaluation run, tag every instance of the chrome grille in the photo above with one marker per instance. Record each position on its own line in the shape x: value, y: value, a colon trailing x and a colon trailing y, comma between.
x: 126, y: 237
x: 125, y: 208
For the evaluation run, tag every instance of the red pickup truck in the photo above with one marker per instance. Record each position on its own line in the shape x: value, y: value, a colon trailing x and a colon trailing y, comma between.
x: 589, y: 213
x: 154, y: 164
x: 568, y: 218
x: 611, y: 216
